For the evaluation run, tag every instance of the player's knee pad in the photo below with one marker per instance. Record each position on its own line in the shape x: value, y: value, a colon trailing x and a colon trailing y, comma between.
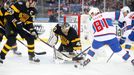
x: 126, y: 56
x: 122, y: 40
x: 91, y: 53
x: 131, y: 36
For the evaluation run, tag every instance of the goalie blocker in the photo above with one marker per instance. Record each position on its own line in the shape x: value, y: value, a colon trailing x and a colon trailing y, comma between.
x: 70, y: 41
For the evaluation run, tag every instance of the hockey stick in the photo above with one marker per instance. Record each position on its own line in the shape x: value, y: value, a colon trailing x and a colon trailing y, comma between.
x: 45, y: 43
x: 67, y: 57
x: 83, y: 51
x: 110, y: 57
x: 38, y: 53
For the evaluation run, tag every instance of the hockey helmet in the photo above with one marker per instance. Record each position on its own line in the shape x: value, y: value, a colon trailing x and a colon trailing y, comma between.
x: 125, y: 9
x: 65, y: 25
x: 7, y: 4
x: 31, y: 3
x: 94, y: 11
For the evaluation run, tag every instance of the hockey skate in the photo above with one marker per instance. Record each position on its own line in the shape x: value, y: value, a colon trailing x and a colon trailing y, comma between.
x: 86, y: 62
x: 132, y: 62
x: 1, y: 60
x: 34, y: 59
x: 16, y: 52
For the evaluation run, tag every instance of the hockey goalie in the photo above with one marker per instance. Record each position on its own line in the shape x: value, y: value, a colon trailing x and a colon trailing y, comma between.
x: 70, y: 44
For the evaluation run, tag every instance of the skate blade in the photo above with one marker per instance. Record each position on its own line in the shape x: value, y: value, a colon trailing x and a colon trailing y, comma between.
x: 33, y: 62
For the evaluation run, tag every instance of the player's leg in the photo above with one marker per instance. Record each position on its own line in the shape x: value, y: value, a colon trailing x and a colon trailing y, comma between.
x: 30, y: 41
x: 15, y: 51
x: 8, y: 45
x: 91, y: 52
x: 2, y: 33
x: 115, y: 46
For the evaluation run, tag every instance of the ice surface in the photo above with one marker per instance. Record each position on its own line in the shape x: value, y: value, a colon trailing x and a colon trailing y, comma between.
x: 14, y: 65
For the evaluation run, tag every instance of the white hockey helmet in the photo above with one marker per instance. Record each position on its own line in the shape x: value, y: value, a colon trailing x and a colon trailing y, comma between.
x: 94, y: 10
x: 125, y: 9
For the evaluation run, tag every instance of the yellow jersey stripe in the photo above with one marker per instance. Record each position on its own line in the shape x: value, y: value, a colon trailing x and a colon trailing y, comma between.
x: 7, y: 46
x: 30, y: 45
x: 14, y: 46
x: 77, y: 48
x: 15, y: 9
x: 77, y: 39
x: 30, y: 50
x: 1, y: 14
x: 4, y: 51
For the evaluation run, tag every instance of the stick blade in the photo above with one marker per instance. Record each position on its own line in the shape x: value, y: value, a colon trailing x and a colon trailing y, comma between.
x: 40, y: 53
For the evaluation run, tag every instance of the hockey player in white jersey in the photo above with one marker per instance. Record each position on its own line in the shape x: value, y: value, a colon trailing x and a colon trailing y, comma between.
x: 128, y: 28
x: 105, y: 33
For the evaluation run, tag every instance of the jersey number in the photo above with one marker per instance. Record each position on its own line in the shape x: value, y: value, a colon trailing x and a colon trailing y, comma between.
x: 100, y: 24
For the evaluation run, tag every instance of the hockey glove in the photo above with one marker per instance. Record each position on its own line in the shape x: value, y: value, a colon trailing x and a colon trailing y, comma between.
x: 19, y: 25
x: 34, y: 33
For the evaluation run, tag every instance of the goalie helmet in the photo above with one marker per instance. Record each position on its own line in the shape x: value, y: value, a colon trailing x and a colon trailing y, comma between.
x: 94, y: 11
x: 65, y: 27
x: 125, y: 9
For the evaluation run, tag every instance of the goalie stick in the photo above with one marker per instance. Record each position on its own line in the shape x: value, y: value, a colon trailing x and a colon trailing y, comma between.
x: 48, y: 45
x: 38, y: 53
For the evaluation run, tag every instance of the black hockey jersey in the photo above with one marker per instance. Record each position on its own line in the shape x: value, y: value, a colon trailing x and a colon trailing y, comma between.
x: 22, y: 13
x: 70, y: 40
x: 3, y: 16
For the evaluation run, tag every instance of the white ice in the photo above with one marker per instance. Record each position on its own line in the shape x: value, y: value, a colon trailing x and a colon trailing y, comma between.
x: 14, y: 65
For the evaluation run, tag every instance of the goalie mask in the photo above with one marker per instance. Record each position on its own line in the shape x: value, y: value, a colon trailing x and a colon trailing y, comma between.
x: 65, y: 28
x: 31, y: 3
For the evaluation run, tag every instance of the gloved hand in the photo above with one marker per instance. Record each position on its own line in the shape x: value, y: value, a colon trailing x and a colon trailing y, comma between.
x: 34, y: 33
x: 19, y: 24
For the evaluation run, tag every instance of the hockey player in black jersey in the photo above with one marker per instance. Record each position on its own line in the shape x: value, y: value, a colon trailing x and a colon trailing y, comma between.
x: 3, y: 21
x: 70, y: 41
x: 20, y: 19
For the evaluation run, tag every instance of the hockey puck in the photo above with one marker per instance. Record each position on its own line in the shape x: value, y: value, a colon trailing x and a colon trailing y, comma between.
x: 75, y: 66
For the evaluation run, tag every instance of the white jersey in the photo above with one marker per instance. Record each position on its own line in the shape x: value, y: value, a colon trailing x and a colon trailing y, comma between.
x: 129, y: 19
x: 129, y: 24
x: 102, y: 25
